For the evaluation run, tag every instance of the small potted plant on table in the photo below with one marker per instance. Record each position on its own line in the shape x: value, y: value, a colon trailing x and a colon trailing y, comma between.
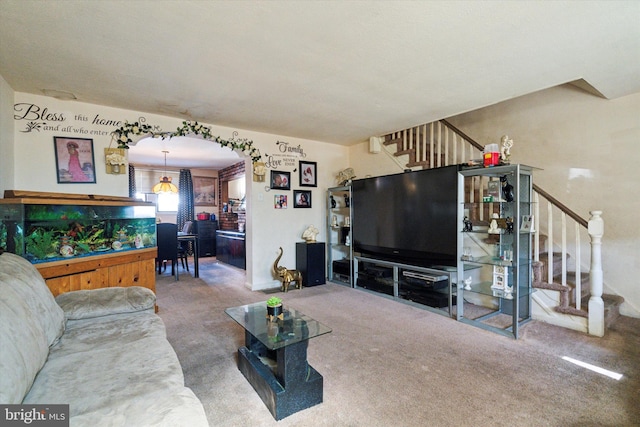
x: 274, y: 308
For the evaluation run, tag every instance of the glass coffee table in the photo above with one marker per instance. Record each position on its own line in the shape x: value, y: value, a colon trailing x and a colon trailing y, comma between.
x: 274, y: 357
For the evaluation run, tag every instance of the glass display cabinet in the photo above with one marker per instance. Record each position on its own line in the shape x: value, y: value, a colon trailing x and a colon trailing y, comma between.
x: 339, y: 250
x: 494, y: 248
x: 65, y: 234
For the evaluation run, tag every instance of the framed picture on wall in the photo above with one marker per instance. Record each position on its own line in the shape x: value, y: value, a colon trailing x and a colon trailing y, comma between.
x: 301, y: 199
x: 281, y: 180
x: 204, y: 190
x: 74, y: 160
x: 280, y: 201
x: 308, y: 171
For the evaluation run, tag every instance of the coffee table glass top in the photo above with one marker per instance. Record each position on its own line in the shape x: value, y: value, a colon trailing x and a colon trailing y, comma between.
x: 292, y: 328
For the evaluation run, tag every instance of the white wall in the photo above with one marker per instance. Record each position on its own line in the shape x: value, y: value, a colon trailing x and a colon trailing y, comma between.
x: 267, y: 228
x: 589, y: 151
x: 366, y: 164
x: 6, y: 137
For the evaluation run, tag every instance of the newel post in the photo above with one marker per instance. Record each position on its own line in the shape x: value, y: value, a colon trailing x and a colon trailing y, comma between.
x: 596, y: 305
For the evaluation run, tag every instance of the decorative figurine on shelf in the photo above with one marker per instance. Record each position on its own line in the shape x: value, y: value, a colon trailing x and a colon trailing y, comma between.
x: 509, y: 225
x: 333, y: 202
x: 493, y: 225
x: 334, y: 221
x: 347, y: 202
x: 508, y: 291
x: 507, y: 189
x: 505, y: 150
x: 287, y: 276
x: 467, y: 283
x: 468, y: 226
x: 345, y: 176
x: 309, y: 235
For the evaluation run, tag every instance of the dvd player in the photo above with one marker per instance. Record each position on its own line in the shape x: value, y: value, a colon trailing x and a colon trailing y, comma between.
x: 424, y: 276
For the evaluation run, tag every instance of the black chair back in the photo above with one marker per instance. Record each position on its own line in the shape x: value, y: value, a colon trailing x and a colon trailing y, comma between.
x: 167, y: 243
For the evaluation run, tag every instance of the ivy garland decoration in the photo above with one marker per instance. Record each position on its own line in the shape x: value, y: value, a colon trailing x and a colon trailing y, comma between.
x: 123, y: 136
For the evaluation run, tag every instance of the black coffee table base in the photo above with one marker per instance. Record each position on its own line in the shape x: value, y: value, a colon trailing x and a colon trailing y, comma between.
x: 291, y: 387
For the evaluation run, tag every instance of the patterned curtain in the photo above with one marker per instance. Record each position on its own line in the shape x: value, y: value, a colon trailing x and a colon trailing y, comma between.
x: 185, y: 198
x: 132, y: 181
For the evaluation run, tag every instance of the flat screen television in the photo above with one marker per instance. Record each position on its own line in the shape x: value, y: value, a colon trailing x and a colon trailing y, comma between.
x: 409, y: 217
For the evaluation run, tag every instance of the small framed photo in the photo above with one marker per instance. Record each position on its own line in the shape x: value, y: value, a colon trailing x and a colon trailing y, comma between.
x: 527, y: 224
x: 301, y: 198
x: 280, y: 201
x: 281, y: 180
x: 308, y: 174
x: 204, y: 190
x: 74, y: 160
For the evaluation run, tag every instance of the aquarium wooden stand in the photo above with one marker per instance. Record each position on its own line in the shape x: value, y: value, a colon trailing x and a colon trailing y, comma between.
x: 131, y: 268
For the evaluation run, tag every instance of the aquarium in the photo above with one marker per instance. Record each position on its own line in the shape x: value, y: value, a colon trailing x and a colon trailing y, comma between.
x: 50, y: 231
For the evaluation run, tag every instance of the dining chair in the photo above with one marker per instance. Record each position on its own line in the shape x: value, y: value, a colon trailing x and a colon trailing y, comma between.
x: 183, y: 247
x: 167, y: 247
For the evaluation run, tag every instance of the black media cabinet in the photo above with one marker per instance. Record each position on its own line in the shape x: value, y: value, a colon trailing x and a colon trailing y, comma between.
x: 433, y: 288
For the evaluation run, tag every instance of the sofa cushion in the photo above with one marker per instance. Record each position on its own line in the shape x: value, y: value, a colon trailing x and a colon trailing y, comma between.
x: 118, y: 368
x: 31, y: 322
x: 105, y: 301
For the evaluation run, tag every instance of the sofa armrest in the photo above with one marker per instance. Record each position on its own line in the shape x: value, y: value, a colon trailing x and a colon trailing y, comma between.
x: 105, y: 301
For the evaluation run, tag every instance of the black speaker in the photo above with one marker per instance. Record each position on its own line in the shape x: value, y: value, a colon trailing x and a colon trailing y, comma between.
x: 310, y: 260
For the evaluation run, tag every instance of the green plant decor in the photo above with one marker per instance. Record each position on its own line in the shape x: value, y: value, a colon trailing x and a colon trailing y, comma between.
x: 274, y: 301
x: 124, y: 134
x: 41, y: 244
x: 3, y: 236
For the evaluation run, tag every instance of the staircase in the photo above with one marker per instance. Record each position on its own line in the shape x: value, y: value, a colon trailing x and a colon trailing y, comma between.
x: 567, y: 294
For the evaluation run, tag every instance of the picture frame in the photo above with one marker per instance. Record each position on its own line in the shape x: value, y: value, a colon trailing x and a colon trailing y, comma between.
x: 280, y: 201
x: 527, y: 224
x: 308, y: 173
x: 280, y: 180
x: 301, y: 198
x: 205, y: 190
x: 75, y: 163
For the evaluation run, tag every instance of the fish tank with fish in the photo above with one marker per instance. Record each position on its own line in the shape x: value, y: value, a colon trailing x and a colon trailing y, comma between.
x: 42, y: 228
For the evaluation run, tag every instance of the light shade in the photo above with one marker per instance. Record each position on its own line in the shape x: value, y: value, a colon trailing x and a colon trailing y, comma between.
x: 165, y: 186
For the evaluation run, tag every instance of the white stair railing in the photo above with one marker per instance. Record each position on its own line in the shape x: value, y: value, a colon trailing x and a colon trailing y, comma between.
x: 440, y: 143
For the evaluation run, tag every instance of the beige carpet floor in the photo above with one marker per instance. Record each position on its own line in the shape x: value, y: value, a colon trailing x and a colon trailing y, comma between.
x: 390, y: 364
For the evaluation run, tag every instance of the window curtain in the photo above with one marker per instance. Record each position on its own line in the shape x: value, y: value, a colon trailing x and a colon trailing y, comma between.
x: 185, y: 198
x: 132, y: 181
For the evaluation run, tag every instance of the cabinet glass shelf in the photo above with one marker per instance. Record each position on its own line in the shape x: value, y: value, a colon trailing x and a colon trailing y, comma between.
x: 485, y: 288
x: 489, y: 260
x: 480, y: 231
x: 502, y: 202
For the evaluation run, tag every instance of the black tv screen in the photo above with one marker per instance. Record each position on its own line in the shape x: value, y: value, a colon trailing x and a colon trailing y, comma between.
x: 409, y: 217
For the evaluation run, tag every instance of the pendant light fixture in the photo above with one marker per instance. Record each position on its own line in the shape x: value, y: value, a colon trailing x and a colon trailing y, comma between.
x: 165, y: 185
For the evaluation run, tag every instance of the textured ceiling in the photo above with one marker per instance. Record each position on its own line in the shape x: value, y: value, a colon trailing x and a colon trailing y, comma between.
x: 338, y: 72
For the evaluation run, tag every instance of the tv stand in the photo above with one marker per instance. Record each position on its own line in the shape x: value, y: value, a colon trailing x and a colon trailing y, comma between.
x: 433, y: 289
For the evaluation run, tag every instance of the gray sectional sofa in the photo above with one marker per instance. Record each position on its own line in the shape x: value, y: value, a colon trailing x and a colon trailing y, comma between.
x: 104, y: 352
